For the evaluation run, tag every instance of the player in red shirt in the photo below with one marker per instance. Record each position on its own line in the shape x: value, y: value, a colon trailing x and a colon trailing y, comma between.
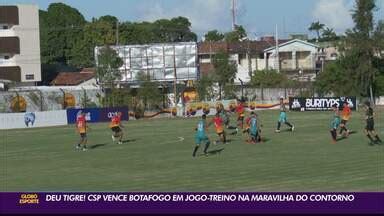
x: 116, y: 126
x: 345, y: 116
x: 219, y: 127
x: 81, y: 126
x: 240, y: 115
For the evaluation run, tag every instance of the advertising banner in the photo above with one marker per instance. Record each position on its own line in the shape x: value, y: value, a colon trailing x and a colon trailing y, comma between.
x: 320, y: 103
x: 97, y: 114
x: 105, y: 114
x: 33, y: 119
x: 91, y: 115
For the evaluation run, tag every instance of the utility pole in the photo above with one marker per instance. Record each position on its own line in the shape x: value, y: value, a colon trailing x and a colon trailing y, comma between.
x: 277, y: 51
x: 117, y: 33
x: 233, y: 15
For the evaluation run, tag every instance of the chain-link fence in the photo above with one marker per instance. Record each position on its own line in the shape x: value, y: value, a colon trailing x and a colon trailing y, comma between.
x: 46, y: 99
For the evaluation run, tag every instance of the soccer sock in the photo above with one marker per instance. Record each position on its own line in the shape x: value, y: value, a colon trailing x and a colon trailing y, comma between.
x: 195, y: 150
x: 278, y: 125
x: 224, y: 139
x: 334, y: 134
x: 289, y: 124
x: 370, y: 138
x: 206, y: 147
x: 342, y: 129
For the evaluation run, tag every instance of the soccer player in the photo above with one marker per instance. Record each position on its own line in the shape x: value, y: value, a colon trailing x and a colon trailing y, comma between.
x: 115, y: 125
x: 218, y: 122
x: 246, y: 130
x: 370, y: 127
x: 201, y: 135
x: 81, y: 126
x: 335, y: 122
x: 253, y: 129
x: 283, y: 117
x: 240, y: 115
x: 345, y: 116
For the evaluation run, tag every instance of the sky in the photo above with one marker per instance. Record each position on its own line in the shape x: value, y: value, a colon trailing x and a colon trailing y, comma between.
x: 259, y: 17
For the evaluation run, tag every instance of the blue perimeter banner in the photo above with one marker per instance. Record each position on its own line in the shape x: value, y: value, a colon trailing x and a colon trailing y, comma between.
x: 192, y: 203
x: 97, y: 114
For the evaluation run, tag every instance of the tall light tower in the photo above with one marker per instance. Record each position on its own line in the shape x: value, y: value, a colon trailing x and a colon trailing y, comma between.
x: 233, y: 14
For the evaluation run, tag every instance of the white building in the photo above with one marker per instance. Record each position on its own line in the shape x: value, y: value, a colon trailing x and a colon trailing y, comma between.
x: 20, y: 44
x: 297, y: 58
x: 293, y: 55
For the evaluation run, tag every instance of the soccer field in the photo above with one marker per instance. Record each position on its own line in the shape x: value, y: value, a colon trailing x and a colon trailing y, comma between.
x: 157, y: 156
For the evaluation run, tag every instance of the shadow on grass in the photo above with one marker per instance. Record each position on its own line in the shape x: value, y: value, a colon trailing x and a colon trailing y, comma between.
x: 97, y: 146
x: 214, y: 152
x: 129, y: 140
x: 264, y: 140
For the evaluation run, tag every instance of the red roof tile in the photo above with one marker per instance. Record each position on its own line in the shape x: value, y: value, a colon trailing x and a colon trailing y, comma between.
x: 73, y: 78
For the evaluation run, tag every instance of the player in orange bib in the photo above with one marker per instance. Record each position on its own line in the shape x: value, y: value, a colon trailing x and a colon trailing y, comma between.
x: 116, y: 126
x: 219, y: 127
x: 81, y: 126
x: 345, y: 116
x: 240, y: 115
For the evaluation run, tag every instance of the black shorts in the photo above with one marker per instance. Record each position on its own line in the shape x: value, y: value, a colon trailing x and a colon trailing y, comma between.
x: 83, y: 135
x: 344, y: 122
x: 240, y: 118
x: 219, y: 134
x: 116, y: 129
x: 370, y: 125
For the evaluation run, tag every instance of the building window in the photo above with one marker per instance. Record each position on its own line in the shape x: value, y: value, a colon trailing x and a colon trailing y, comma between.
x: 29, y: 76
x: 5, y: 27
x: 6, y: 57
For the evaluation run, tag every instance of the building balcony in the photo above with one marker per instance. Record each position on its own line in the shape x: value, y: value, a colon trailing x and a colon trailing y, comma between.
x: 7, y: 62
x: 8, y: 33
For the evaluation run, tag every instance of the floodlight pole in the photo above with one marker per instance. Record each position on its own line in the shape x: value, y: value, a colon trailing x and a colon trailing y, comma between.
x: 174, y: 75
x: 277, y: 51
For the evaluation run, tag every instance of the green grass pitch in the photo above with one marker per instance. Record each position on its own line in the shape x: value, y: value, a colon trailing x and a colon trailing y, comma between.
x: 157, y: 159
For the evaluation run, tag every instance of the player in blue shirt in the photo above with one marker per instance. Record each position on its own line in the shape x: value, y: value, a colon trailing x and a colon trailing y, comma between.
x: 201, y: 135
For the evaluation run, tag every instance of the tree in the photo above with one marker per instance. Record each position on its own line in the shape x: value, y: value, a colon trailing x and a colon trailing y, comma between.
x: 317, y: 27
x: 214, y: 35
x: 224, y: 72
x: 203, y: 86
x: 268, y: 78
x: 60, y: 28
x: 236, y: 35
x: 336, y: 79
x: 328, y: 34
x: 360, y: 44
x: 149, y: 91
x: 358, y: 68
x: 107, y: 70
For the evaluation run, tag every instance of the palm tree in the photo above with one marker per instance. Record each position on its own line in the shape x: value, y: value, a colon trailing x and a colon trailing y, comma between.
x: 316, y: 26
x: 329, y: 34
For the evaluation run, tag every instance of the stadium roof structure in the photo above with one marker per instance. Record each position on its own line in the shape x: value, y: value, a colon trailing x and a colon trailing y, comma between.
x: 162, y: 61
